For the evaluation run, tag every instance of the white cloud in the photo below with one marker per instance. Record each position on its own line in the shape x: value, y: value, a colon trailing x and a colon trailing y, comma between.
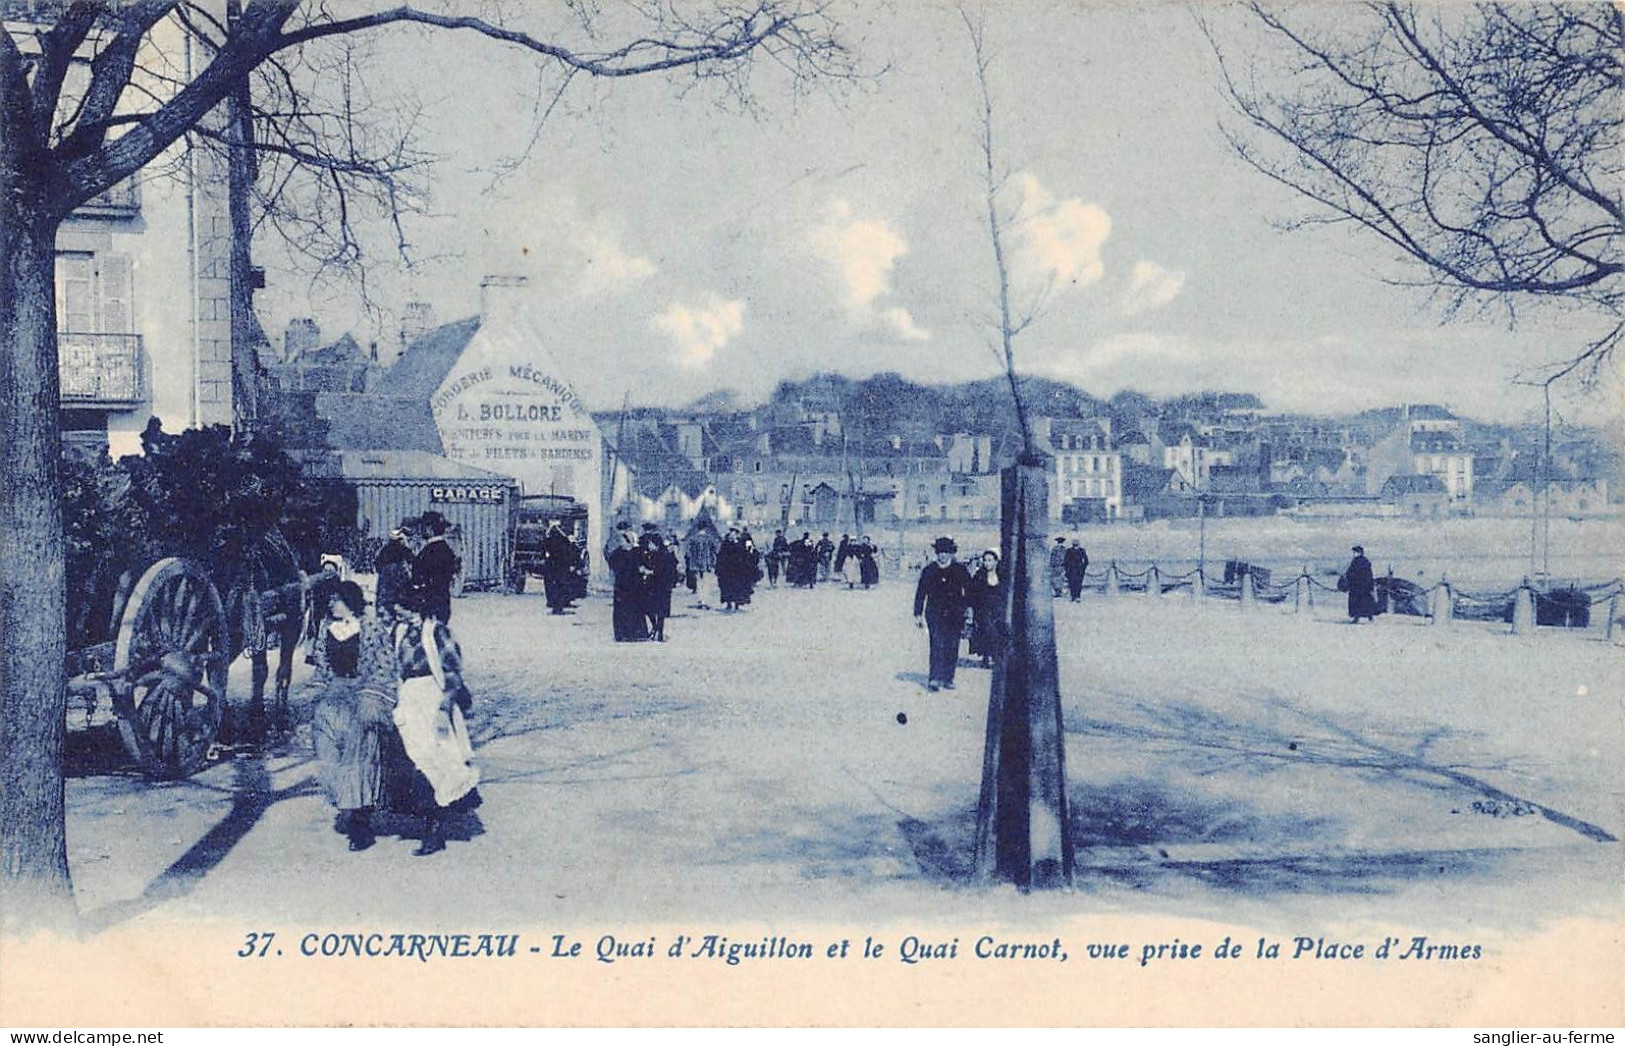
x: 1059, y: 242
x: 606, y: 266
x: 698, y: 331
x: 898, y: 320
x: 863, y: 252
x: 1151, y: 286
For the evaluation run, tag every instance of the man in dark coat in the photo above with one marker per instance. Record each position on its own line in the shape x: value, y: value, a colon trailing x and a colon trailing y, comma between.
x: 735, y: 571
x: 624, y: 561
x: 826, y: 555
x: 394, y: 566
x: 939, y: 606
x: 776, y: 557
x: 1075, y: 564
x: 1361, y: 585
x: 435, y: 569
x: 559, y: 567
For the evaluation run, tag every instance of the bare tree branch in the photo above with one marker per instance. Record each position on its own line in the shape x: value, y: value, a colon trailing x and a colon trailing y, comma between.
x: 1482, y: 142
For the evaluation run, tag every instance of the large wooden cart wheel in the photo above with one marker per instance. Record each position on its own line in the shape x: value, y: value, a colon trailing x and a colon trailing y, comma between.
x: 173, y: 654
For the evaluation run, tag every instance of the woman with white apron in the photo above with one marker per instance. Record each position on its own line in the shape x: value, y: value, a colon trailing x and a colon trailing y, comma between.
x: 429, y: 718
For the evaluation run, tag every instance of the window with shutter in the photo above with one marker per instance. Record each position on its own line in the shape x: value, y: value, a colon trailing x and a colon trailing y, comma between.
x: 76, y: 292
x: 115, y: 280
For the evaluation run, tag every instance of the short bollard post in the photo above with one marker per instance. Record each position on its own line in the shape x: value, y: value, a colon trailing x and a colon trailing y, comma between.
x: 1444, y: 603
x: 1153, y: 582
x: 1199, y: 587
x: 1613, y: 615
x: 1523, y: 610
x: 1249, y: 599
x: 1300, y: 594
x: 1111, y: 579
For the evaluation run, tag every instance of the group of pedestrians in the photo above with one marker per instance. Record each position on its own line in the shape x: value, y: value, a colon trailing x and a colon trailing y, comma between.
x: 388, y: 725
x: 947, y: 594
x: 645, y: 568
x: 1067, y: 567
x: 805, y: 562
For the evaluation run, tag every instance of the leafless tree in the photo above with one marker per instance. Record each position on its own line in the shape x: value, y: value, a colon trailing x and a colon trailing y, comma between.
x: 1481, y: 143
x: 1022, y: 826
x: 64, y: 140
x: 1012, y: 319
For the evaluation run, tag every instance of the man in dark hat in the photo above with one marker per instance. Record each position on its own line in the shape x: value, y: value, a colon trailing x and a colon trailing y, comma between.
x: 434, y: 571
x: 1361, y: 585
x: 1057, y: 567
x: 940, y: 599
x: 1076, y: 564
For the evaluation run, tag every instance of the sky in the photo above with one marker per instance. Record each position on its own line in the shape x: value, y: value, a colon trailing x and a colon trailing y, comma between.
x: 678, y: 246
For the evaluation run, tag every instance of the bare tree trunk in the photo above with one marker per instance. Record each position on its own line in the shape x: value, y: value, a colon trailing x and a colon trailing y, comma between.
x: 33, y: 587
x: 245, y: 361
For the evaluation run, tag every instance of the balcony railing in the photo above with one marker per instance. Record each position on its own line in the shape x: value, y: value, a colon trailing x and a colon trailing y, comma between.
x: 99, y: 369
x: 121, y: 201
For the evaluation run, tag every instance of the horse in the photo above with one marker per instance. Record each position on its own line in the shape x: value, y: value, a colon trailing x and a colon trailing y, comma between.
x: 266, y: 604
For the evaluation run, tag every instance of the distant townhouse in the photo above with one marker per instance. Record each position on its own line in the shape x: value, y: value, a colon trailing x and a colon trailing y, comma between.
x: 1424, y: 441
x: 1416, y: 496
x: 1088, y: 473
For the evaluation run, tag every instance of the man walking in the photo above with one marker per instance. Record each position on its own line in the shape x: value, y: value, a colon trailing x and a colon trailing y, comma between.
x: 1075, y: 564
x: 939, y: 606
x: 1057, y: 567
x: 826, y: 554
x: 435, y: 570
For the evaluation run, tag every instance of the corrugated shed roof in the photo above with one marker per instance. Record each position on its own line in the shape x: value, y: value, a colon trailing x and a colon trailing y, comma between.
x: 369, y: 421
x: 426, y: 362
x: 410, y: 464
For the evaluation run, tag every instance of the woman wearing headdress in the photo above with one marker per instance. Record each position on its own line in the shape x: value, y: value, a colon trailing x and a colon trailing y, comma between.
x: 354, y: 710
x: 1359, y: 581
x: 429, y: 716
x: 625, y: 562
x: 986, y: 597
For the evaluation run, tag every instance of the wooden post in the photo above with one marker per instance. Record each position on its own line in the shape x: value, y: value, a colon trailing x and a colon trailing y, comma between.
x: 1613, y: 615
x: 1199, y: 587
x: 1300, y: 593
x: 1153, y: 582
x: 1021, y: 822
x: 1523, y: 610
x: 1111, y: 580
x: 1444, y: 604
x: 1249, y: 599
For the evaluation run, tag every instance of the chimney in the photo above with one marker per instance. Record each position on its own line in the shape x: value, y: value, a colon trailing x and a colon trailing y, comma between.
x: 501, y: 296
x: 417, y: 319
x: 302, y: 335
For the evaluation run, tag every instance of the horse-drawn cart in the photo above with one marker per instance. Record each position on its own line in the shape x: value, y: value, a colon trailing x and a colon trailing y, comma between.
x: 159, y: 673
x: 161, y: 676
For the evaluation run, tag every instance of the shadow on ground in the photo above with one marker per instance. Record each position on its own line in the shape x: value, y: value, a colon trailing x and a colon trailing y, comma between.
x: 1141, y: 835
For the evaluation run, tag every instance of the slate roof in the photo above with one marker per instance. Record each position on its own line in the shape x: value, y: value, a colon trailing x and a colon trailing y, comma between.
x: 1395, y: 486
x: 369, y: 421
x: 424, y: 365
x: 1143, y: 481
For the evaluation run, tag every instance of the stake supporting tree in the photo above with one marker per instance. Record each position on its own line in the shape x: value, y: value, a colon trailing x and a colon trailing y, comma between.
x: 1022, y: 824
